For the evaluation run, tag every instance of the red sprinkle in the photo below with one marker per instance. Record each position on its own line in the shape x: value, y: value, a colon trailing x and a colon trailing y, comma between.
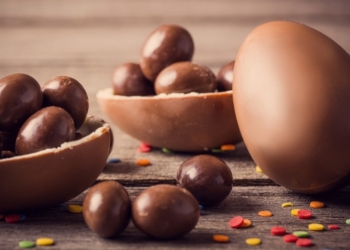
x: 333, y: 227
x: 290, y: 238
x: 278, y: 230
x: 12, y: 218
x: 304, y: 242
x: 304, y: 214
x: 144, y: 147
x: 236, y: 222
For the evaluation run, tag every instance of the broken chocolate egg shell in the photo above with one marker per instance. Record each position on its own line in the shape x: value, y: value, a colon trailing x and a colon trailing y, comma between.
x: 56, y: 175
x: 180, y: 122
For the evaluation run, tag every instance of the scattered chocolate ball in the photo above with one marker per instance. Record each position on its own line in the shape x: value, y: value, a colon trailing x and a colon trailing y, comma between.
x: 225, y: 77
x: 185, y: 77
x: 164, y: 46
x: 107, y: 209
x: 129, y: 80
x: 47, y: 128
x: 165, y: 211
x: 207, y: 177
x: 67, y: 93
x: 20, y: 97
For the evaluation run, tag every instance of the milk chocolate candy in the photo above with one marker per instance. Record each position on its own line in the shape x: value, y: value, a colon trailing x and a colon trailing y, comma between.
x: 225, y: 77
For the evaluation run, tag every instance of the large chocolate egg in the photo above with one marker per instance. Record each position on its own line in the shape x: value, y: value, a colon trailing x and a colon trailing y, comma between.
x: 185, y: 77
x: 164, y: 46
x: 291, y: 93
x: 165, y: 211
x: 20, y: 97
x: 47, y: 128
x: 69, y: 94
x: 107, y: 209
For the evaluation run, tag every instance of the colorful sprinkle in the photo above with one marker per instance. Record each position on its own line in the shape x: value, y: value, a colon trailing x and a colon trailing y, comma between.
x: 144, y: 148
x: 301, y: 234
x: 236, y: 222
x: 216, y: 150
x: 12, y: 218
x: 258, y: 169
x: 143, y: 162
x: 221, y: 238
x: 290, y: 238
x: 76, y: 209
x: 114, y: 160
x: 253, y: 241
x: 26, y: 244
x: 278, y: 231
x: 294, y: 212
x: 287, y: 204
x: 265, y: 213
x: 304, y: 243
x: 347, y: 221
x: 333, y: 227
x: 316, y: 227
x: 246, y: 223
x: 316, y: 204
x: 167, y: 151
x: 304, y: 214
x: 45, y: 242
x: 228, y: 147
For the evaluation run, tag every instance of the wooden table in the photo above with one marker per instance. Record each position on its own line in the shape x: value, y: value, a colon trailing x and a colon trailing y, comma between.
x: 88, y: 39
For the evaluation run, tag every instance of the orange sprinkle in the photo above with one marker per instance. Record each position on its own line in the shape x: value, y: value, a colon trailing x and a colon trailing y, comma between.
x: 221, y: 238
x: 228, y: 147
x: 265, y: 213
x: 246, y: 223
x: 316, y: 204
x: 143, y: 162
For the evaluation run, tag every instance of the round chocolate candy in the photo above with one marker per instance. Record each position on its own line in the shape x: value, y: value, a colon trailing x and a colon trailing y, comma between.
x: 207, y: 177
x: 47, y: 128
x: 107, y: 209
x: 185, y: 77
x: 165, y: 211
x: 7, y: 154
x: 20, y: 97
x: 128, y: 80
x: 225, y: 77
x: 69, y: 94
x: 164, y: 46
x: 9, y: 139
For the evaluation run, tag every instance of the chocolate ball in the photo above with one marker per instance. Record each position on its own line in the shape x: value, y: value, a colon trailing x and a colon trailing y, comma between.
x: 129, y: 80
x: 225, y: 77
x: 164, y: 46
x: 185, y: 77
x: 9, y: 139
x: 47, y: 128
x: 107, y: 209
x: 207, y: 177
x: 20, y: 97
x: 67, y: 93
x: 165, y: 211
x: 7, y: 154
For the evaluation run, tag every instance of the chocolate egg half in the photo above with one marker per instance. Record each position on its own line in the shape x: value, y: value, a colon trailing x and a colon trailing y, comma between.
x: 291, y: 92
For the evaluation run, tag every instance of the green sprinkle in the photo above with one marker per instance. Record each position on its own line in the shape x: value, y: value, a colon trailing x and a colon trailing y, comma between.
x: 301, y: 234
x: 167, y: 151
x: 26, y: 244
x: 347, y: 221
x: 215, y: 150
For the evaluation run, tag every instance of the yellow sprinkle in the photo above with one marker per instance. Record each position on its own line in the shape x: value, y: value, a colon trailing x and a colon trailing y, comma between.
x: 287, y: 204
x: 253, y: 241
x: 75, y: 209
x: 45, y: 242
x: 246, y: 223
x: 228, y: 147
x: 258, y: 169
x: 143, y: 162
x: 265, y: 213
x: 221, y: 238
x: 316, y: 204
x: 316, y: 227
x: 294, y: 212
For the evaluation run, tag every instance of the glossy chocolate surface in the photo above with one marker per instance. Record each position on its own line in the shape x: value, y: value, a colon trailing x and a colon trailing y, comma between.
x: 180, y: 122
x: 47, y: 128
x: 185, y: 77
x: 291, y: 93
x: 129, y: 80
x: 107, y: 209
x: 69, y: 94
x: 165, y: 211
x: 164, y: 46
x: 20, y: 97
x: 225, y: 77
x: 207, y: 177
